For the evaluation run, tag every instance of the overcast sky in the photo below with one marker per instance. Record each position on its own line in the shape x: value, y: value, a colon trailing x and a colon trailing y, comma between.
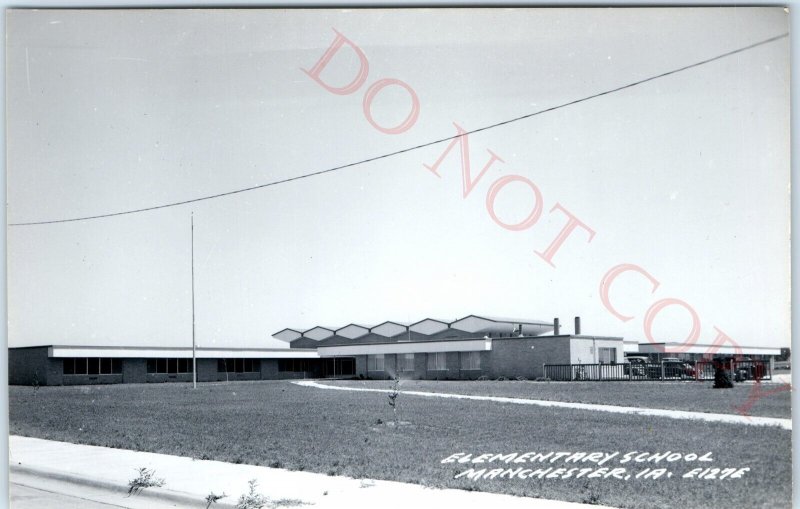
x: 686, y: 176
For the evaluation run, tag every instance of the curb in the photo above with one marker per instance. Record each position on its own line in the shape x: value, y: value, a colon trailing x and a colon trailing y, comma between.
x: 163, y: 494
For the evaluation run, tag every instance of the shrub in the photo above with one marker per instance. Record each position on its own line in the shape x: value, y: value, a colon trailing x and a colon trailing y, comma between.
x: 145, y: 479
x: 393, y: 394
x: 213, y: 498
x: 252, y: 499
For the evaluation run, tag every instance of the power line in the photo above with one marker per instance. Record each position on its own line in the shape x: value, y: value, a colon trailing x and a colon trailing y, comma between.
x: 415, y: 147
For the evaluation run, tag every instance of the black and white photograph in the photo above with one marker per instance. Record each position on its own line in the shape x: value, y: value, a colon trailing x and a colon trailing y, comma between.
x: 334, y: 257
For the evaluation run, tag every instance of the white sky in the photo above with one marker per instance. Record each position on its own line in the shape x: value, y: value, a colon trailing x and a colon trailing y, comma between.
x: 686, y: 176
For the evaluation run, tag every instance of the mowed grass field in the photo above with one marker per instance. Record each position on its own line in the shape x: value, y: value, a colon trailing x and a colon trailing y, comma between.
x: 280, y: 424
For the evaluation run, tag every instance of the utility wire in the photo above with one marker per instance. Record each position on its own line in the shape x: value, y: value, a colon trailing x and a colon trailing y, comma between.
x: 415, y: 147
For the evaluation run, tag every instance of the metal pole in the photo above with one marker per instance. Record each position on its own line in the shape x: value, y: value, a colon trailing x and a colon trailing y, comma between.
x: 194, y: 355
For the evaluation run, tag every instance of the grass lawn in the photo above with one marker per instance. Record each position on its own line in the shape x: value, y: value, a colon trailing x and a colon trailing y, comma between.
x: 346, y: 433
x: 690, y: 396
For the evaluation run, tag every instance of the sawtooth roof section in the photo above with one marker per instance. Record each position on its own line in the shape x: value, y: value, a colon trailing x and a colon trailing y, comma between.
x: 429, y: 326
x: 352, y: 331
x: 318, y: 333
x: 389, y: 329
x: 288, y: 335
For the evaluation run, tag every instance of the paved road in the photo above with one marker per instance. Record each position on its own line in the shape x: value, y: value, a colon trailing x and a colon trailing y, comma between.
x: 25, y: 497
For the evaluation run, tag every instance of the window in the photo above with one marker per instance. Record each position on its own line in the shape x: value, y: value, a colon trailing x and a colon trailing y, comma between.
x: 375, y: 362
x: 292, y: 365
x: 92, y: 366
x: 607, y: 355
x: 437, y: 361
x: 470, y: 360
x: 183, y: 365
x: 169, y: 366
x: 240, y: 365
x: 405, y: 362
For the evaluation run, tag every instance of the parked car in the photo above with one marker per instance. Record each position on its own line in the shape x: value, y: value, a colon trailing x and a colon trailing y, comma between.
x: 636, y: 366
x: 748, y: 369
x: 676, y: 368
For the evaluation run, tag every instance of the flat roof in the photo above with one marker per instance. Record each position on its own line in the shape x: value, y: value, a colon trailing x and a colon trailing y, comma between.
x: 702, y: 348
x: 149, y: 352
x: 582, y: 336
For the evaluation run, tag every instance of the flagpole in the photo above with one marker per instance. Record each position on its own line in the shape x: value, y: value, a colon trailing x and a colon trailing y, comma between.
x: 194, y: 355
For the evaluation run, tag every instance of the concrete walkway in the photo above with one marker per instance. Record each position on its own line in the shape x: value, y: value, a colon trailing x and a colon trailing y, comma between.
x: 672, y: 414
x: 101, y: 475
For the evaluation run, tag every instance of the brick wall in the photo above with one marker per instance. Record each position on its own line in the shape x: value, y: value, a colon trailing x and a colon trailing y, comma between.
x: 54, y: 371
x: 207, y: 371
x: 361, y: 365
x: 167, y: 377
x: 420, y: 366
x: 28, y: 364
x: 134, y: 371
x: 453, y: 365
x: 92, y: 379
x: 514, y: 357
x: 269, y: 369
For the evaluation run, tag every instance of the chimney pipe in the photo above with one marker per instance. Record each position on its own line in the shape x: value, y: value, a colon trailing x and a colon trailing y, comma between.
x: 577, y: 325
x: 555, y: 327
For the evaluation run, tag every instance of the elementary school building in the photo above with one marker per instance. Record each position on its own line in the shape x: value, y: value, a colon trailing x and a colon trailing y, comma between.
x: 470, y: 348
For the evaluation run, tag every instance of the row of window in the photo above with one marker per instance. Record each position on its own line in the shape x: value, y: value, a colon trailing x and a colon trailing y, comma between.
x: 435, y: 361
x: 405, y: 362
x: 92, y: 366
x: 238, y: 365
x: 295, y: 365
x: 169, y: 366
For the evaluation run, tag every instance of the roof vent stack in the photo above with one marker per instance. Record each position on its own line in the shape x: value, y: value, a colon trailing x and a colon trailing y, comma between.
x: 556, y: 327
x: 577, y: 325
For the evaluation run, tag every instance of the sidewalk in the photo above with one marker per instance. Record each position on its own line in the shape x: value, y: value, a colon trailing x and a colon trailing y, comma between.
x: 102, y: 474
x: 783, y: 378
x: 748, y: 420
